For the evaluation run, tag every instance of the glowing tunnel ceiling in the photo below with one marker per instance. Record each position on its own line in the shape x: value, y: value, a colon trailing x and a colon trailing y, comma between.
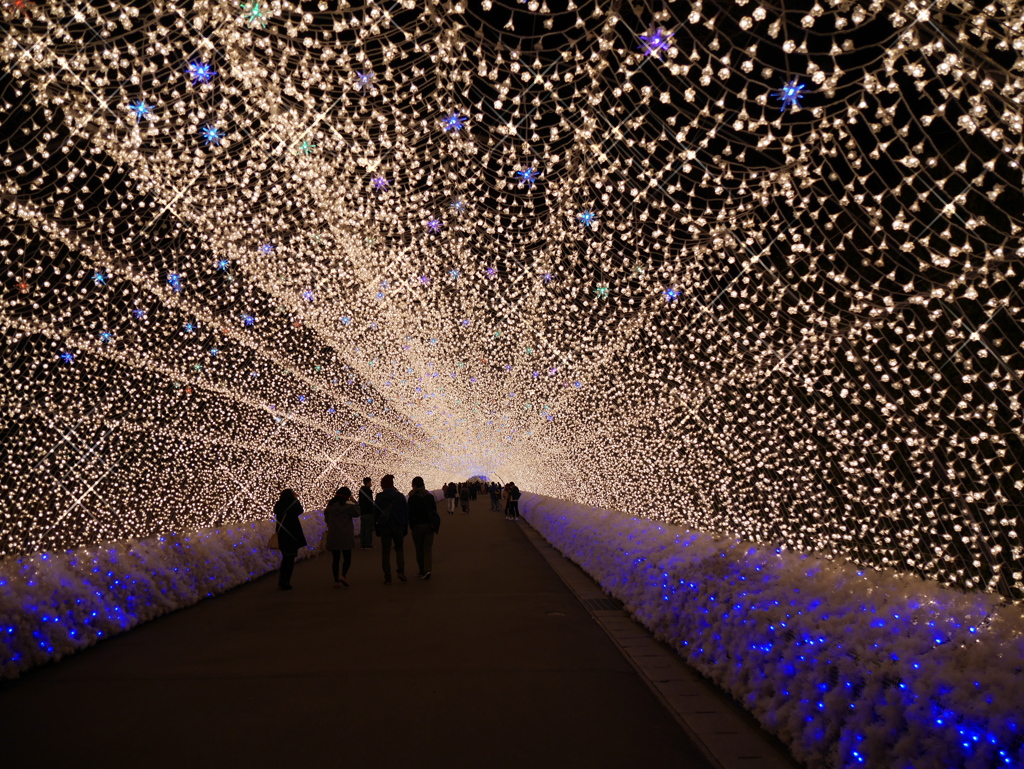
x: 742, y: 266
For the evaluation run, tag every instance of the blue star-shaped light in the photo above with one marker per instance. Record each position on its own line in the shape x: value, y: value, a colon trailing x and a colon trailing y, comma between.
x: 656, y: 40
x: 306, y: 147
x: 346, y: 320
x: 380, y: 183
x: 465, y: 322
x: 491, y: 272
x: 138, y: 313
x: 546, y: 276
x: 174, y: 281
x: 586, y: 218
x: 200, y: 72
x: 189, y: 327
x: 249, y: 320
x: 67, y: 357
x: 458, y: 206
x: 424, y: 279
x: 364, y: 80
x: 266, y: 248
x: 211, y: 134
x: 308, y: 295
x: 142, y: 110
x: 213, y: 352
x: 671, y: 294
x: 435, y: 225
x: 790, y: 94
x: 223, y: 264
x: 106, y: 337
x: 453, y: 274
x: 527, y: 176
x: 453, y: 122
x: 99, y: 278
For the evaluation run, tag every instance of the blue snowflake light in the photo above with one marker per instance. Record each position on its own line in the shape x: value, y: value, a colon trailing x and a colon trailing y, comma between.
x: 424, y: 279
x: 453, y: 122
x: 139, y: 314
x: 364, y: 80
x: 211, y: 135
x: 435, y: 225
x: 345, y: 320
x: 306, y: 147
x: 586, y: 218
x: 380, y: 183
x: 200, y: 72
x: 249, y: 320
x: 308, y: 295
x: 99, y: 278
x: 189, y: 327
x: 671, y: 294
x: 656, y: 40
x: 106, y: 337
x: 223, y: 264
x: 527, y: 175
x: 142, y: 110
x: 174, y: 281
x: 453, y: 274
x: 458, y: 206
x: 67, y: 357
x: 266, y: 248
x: 213, y: 352
x: 491, y: 272
x: 547, y: 277
x: 790, y: 94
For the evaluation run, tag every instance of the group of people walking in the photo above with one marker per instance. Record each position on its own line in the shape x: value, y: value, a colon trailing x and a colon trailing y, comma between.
x: 390, y: 515
x: 461, y: 494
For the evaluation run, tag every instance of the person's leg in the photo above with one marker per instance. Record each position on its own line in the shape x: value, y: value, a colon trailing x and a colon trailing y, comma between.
x: 346, y: 563
x: 400, y: 556
x: 335, y: 558
x: 385, y: 554
x: 284, y: 578
x: 428, y: 552
x: 417, y: 540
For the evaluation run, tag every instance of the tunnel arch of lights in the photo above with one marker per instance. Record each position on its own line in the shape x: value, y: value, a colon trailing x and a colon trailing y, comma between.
x: 750, y: 267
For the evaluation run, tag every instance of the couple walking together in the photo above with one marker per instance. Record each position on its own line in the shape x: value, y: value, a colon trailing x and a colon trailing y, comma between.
x: 394, y: 516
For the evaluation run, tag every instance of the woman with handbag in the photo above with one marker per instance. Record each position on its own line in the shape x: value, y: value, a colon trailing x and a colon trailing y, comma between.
x: 289, y: 535
x: 341, y: 538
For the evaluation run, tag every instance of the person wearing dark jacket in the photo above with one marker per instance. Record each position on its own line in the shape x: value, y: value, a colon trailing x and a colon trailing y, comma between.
x: 422, y: 519
x: 289, y: 535
x: 391, y: 524
x: 366, y: 515
x: 341, y: 535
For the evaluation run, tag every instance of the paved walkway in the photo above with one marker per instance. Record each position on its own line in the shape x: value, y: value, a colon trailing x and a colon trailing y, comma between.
x: 493, y: 663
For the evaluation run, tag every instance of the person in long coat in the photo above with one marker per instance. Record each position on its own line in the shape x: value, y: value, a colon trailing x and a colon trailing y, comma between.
x: 289, y: 535
x: 341, y: 534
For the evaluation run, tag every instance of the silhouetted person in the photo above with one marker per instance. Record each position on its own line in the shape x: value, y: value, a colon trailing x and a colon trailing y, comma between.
x: 494, y: 490
x: 423, y: 523
x: 512, y: 495
x: 289, y: 535
x: 391, y: 524
x: 366, y: 515
x: 341, y: 534
x: 450, y: 494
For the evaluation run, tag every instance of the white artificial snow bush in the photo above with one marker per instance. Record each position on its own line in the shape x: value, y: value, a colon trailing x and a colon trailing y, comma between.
x: 849, y: 667
x: 52, y: 604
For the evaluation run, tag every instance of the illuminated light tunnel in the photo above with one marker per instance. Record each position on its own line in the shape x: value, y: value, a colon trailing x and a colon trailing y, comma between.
x: 746, y: 269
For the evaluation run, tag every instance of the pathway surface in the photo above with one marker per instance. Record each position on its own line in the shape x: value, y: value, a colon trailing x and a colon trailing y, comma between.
x: 493, y: 663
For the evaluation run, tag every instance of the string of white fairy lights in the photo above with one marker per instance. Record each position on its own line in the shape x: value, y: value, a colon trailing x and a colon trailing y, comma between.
x: 741, y: 266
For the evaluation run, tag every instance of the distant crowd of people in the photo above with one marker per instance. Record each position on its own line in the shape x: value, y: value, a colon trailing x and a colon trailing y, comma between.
x: 389, y: 514
x: 461, y: 494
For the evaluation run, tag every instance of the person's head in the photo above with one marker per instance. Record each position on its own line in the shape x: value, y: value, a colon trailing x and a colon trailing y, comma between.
x: 366, y: 481
x: 417, y: 483
x: 343, y: 494
x: 287, y: 495
x: 387, y: 482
